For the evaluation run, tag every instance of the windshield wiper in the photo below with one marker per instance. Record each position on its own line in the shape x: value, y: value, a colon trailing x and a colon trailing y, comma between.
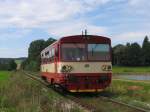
x: 94, y: 49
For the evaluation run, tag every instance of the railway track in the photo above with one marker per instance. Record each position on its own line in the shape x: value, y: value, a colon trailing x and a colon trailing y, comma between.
x: 86, y: 106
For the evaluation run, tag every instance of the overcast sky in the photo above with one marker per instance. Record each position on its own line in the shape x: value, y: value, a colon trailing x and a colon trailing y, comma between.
x: 22, y: 21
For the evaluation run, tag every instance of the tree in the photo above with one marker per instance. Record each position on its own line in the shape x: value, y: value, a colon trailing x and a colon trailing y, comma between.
x: 12, y: 65
x: 145, y: 42
x: 134, y: 55
x: 34, y: 51
x: 24, y: 64
x: 35, y: 48
x: 125, y: 55
x: 34, y: 58
x: 129, y: 55
x: 49, y: 41
x: 118, y: 54
x: 146, y: 51
x: 7, y: 64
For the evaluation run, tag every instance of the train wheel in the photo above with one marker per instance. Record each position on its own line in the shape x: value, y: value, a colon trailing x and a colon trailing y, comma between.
x: 59, y: 89
x: 52, y: 81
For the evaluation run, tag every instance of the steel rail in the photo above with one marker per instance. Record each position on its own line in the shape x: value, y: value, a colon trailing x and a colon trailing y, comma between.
x: 125, y: 104
x: 87, y: 106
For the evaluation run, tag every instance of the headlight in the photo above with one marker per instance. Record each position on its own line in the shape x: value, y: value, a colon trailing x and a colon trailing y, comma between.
x: 106, y: 68
x: 66, y: 68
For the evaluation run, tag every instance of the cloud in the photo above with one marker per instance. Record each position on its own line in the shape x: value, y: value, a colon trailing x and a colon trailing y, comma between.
x: 18, y: 18
x: 140, y: 7
x: 137, y: 2
x: 9, y: 52
x: 130, y: 37
x: 33, y: 13
x: 26, y: 20
x: 76, y: 28
x: 9, y: 33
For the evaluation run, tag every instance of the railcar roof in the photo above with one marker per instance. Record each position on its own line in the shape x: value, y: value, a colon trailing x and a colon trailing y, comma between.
x: 49, y: 46
x: 82, y: 36
x: 73, y: 37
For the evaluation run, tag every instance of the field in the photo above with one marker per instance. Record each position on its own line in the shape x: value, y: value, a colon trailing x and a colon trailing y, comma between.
x: 21, y: 94
x: 132, y: 70
x: 18, y: 93
x: 135, y: 93
x: 4, y: 75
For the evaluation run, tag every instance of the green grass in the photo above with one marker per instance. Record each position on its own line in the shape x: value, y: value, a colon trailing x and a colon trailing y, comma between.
x: 101, y: 105
x: 4, y: 75
x: 18, y: 93
x: 21, y: 94
x: 135, y: 93
x: 131, y: 92
x: 121, y: 69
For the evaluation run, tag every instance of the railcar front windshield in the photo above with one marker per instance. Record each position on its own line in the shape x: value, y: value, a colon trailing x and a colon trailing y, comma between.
x: 99, y: 52
x: 73, y: 52
x: 82, y: 52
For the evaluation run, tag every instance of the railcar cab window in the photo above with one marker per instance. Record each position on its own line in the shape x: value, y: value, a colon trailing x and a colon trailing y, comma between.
x: 99, y: 52
x: 73, y: 52
x: 47, y: 53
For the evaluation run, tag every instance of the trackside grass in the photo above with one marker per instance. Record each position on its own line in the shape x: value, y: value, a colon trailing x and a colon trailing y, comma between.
x: 101, y: 105
x: 134, y: 70
x: 21, y: 94
x: 132, y: 92
x: 4, y: 75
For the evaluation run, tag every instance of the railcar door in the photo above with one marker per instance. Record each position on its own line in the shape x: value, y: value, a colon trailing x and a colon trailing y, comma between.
x: 56, y: 57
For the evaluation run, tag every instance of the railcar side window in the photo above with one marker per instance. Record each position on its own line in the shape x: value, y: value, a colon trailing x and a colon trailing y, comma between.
x: 98, y: 52
x: 47, y: 53
x: 50, y: 54
x: 53, y: 52
x: 56, y: 52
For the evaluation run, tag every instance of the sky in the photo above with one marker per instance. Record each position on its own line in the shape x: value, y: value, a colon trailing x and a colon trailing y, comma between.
x: 22, y: 21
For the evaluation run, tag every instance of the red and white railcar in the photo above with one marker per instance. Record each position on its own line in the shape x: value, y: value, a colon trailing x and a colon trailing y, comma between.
x: 80, y: 63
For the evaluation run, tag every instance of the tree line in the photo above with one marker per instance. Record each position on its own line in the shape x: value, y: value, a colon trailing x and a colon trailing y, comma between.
x: 7, y: 64
x: 132, y: 54
x: 33, y: 61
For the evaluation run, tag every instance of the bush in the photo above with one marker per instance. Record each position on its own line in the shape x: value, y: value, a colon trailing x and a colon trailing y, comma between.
x: 8, y: 64
x: 32, y: 63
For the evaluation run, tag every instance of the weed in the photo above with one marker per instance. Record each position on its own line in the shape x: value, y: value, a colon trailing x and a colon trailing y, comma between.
x: 130, y: 92
x: 21, y: 94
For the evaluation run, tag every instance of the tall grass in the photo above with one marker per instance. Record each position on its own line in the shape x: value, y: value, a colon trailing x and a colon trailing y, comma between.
x: 21, y: 94
x: 136, y: 93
